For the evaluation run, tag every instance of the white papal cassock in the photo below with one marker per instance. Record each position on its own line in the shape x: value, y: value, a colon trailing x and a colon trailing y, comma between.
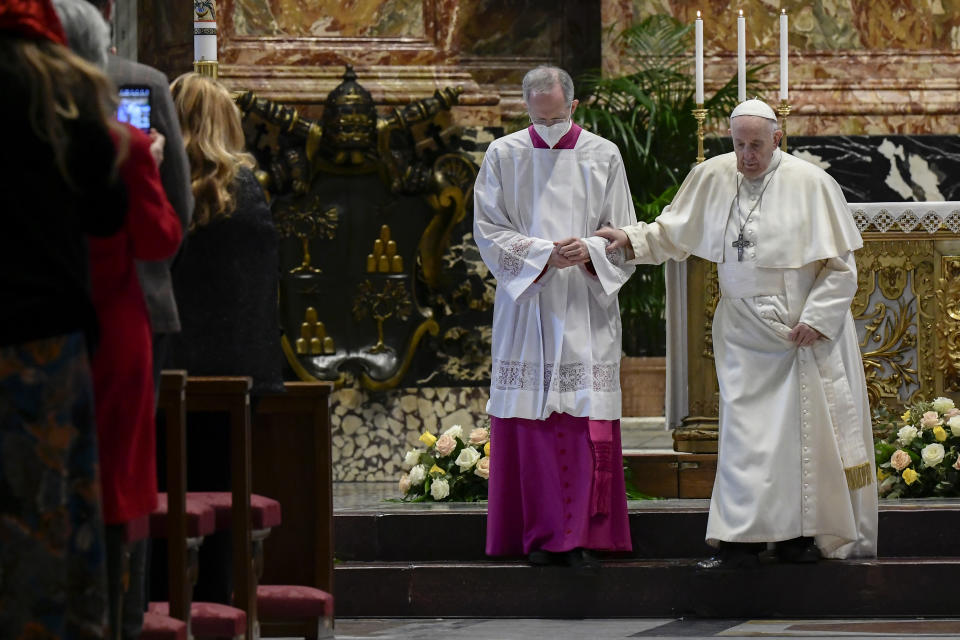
x: 557, y: 334
x: 795, y: 433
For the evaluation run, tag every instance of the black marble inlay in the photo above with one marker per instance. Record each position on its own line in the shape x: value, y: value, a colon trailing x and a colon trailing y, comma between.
x: 892, y: 168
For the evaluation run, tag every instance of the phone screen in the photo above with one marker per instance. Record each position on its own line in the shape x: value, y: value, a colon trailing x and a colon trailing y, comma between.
x: 134, y: 107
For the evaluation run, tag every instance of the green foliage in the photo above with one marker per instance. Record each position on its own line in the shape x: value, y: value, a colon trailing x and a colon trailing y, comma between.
x: 647, y: 113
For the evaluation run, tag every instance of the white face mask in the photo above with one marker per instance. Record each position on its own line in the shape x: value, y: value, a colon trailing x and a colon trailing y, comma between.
x: 551, y: 134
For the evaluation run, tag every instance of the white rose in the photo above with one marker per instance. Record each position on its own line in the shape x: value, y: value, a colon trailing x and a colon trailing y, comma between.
x: 483, y: 468
x: 412, y: 458
x: 417, y: 475
x: 467, y: 458
x: 954, y: 424
x: 907, y: 434
x: 932, y: 454
x: 440, y: 489
x: 943, y: 404
x: 404, y: 484
x: 456, y: 431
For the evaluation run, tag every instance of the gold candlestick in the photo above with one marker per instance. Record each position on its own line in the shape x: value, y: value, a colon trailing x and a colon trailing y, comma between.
x: 700, y: 114
x: 784, y: 111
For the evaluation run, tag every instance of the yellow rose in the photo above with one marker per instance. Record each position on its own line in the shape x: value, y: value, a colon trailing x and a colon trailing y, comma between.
x: 436, y: 469
x: 486, y: 449
x: 428, y: 438
x: 910, y: 476
x: 940, y: 434
x: 882, y: 475
x: 906, y: 416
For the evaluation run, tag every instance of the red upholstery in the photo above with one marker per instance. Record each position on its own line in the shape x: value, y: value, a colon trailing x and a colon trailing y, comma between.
x: 201, y: 520
x: 264, y: 512
x: 292, y: 602
x: 160, y: 627
x: 210, y: 619
x: 138, y: 529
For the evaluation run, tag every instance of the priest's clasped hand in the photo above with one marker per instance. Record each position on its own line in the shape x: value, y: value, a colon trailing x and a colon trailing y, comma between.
x: 568, y: 253
x: 803, y: 335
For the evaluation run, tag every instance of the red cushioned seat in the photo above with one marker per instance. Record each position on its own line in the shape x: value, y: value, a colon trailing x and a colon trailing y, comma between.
x: 138, y: 529
x: 264, y: 512
x: 201, y: 520
x: 292, y: 602
x: 210, y: 619
x: 160, y: 627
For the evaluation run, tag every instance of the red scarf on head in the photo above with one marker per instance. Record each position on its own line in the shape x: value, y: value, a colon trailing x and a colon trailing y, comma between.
x: 34, y: 19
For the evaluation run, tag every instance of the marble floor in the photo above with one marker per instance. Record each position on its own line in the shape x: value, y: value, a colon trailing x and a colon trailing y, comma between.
x: 509, y: 629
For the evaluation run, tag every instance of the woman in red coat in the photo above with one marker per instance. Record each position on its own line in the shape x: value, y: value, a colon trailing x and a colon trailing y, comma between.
x: 123, y: 364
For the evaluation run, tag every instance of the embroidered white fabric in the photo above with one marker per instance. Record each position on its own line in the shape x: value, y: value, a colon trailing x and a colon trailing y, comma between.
x: 906, y: 216
x: 511, y: 260
x: 567, y: 377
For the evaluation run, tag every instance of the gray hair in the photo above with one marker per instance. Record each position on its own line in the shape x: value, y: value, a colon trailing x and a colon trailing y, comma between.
x: 88, y: 35
x: 544, y: 78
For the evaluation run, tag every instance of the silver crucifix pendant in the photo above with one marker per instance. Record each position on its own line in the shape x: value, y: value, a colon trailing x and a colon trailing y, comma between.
x: 739, y: 244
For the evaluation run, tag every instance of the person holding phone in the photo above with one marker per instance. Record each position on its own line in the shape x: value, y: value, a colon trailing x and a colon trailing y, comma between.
x: 123, y: 380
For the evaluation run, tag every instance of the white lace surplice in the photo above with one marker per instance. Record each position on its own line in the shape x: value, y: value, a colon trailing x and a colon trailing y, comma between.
x: 556, y: 340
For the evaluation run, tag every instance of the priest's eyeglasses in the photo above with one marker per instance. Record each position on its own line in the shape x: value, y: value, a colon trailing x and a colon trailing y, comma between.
x: 549, y: 122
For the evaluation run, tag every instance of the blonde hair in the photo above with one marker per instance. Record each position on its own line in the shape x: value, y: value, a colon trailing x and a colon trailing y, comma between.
x: 213, y: 136
x: 63, y: 87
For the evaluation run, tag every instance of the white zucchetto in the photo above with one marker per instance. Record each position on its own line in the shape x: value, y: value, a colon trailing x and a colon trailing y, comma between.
x: 754, y: 107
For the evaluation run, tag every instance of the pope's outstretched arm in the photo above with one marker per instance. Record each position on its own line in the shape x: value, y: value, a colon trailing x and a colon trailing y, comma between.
x: 651, y: 243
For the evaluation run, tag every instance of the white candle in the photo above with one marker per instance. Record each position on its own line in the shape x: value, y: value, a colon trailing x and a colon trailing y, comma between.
x: 204, y: 31
x: 741, y: 57
x: 699, y: 58
x: 783, y: 55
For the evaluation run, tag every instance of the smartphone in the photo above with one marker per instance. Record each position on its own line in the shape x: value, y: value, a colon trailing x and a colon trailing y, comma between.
x: 134, y: 107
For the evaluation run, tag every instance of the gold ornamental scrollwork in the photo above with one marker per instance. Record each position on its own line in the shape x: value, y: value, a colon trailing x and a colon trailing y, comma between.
x: 711, y: 297
x: 894, y: 308
x: 948, y: 327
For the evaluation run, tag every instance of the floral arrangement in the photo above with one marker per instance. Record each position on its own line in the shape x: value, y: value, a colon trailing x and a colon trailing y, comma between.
x: 453, y: 467
x: 920, y: 456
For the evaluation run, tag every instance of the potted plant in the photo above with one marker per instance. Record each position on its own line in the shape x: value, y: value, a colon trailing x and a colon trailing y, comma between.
x: 646, y: 111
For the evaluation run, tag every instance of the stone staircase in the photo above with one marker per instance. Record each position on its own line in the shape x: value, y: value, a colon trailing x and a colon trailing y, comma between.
x: 427, y: 561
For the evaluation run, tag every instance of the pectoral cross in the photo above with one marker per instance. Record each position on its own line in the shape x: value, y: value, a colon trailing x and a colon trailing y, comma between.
x: 739, y: 244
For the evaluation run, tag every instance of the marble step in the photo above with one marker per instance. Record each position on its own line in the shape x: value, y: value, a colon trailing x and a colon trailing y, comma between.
x: 647, y: 588
x: 659, y: 529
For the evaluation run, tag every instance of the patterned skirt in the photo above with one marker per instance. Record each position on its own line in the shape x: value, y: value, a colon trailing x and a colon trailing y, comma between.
x: 52, y: 571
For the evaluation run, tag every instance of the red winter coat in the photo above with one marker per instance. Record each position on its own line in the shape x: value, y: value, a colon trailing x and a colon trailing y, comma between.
x: 123, y: 364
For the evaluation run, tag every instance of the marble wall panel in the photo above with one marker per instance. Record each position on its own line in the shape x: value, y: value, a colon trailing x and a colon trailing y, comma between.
x: 331, y: 18
x: 372, y: 431
x: 856, y: 66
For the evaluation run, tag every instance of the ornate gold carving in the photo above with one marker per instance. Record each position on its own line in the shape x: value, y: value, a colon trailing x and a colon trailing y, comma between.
x: 948, y: 327
x: 381, y: 385
x: 896, y: 322
x: 313, y: 338
x: 307, y: 224
x: 711, y: 297
x: 384, y: 258
x: 392, y: 301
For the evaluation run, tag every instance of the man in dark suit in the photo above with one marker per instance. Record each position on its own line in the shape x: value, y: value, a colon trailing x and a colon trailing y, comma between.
x: 157, y: 288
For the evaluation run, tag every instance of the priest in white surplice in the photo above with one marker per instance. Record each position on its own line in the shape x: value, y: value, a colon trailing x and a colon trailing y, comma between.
x: 795, y: 464
x: 556, y: 477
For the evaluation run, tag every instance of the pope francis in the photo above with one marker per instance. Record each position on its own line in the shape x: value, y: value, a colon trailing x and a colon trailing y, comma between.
x: 794, y: 465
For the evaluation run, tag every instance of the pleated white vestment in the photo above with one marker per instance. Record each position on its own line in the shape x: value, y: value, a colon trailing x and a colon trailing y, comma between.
x: 794, y: 422
x: 556, y: 332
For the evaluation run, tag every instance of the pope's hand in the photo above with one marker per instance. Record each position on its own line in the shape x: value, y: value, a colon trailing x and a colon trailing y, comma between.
x: 574, y: 249
x: 803, y: 335
x: 617, y: 237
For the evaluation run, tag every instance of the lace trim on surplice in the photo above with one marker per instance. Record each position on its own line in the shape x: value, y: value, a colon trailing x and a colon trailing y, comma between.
x: 512, y: 258
x: 572, y: 376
